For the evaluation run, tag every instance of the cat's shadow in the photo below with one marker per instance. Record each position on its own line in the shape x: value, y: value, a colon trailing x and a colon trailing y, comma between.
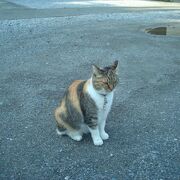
x: 86, y: 138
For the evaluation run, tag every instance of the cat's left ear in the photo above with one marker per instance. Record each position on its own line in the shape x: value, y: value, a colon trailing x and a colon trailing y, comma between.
x: 114, y: 66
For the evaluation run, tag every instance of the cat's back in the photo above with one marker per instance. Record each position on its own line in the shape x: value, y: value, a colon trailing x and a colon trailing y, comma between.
x: 75, y: 89
x: 69, y: 114
x: 73, y: 95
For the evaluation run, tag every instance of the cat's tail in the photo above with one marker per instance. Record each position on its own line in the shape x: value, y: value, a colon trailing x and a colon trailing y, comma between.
x: 60, y: 128
x: 60, y: 132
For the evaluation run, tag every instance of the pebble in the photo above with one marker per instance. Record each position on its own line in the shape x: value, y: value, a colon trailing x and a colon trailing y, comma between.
x: 67, y: 178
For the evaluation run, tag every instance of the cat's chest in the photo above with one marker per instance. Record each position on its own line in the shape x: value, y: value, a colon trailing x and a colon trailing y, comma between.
x: 102, y: 102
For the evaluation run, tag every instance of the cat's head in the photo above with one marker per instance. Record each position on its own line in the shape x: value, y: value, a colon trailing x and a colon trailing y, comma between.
x: 105, y: 79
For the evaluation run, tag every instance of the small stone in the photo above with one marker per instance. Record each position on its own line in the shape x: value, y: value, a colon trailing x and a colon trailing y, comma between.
x: 10, y: 139
x: 67, y: 178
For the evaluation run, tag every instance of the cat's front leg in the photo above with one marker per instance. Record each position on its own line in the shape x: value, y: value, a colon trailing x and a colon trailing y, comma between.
x: 97, y: 140
x: 103, y: 134
x: 102, y: 123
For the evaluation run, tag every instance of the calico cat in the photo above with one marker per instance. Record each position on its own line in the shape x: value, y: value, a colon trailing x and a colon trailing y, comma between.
x: 86, y: 104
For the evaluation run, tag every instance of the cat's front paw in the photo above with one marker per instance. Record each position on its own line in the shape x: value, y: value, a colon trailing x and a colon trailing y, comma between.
x: 104, y: 136
x: 98, y: 142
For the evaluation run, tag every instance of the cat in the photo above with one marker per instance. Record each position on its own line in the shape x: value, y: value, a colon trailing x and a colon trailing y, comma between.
x: 86, y: 104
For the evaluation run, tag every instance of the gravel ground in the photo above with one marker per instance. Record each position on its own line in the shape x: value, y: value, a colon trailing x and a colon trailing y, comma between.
x: 40, y: 57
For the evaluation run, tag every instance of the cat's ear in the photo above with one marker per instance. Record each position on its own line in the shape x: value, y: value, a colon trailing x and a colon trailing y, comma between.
x: 115, y: 64
x: 96, y: 70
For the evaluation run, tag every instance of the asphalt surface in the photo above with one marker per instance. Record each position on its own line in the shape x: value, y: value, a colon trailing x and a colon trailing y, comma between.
x: 40, y: 56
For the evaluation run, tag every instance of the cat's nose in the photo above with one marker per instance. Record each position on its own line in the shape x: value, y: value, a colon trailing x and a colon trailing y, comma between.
x: 111, y: 87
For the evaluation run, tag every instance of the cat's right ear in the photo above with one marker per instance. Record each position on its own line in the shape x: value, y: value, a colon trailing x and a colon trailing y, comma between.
x: 96, y: 70
x: 115, y: 64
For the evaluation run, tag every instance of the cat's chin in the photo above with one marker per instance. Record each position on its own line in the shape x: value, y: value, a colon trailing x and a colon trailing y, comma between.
x: 103, y: 92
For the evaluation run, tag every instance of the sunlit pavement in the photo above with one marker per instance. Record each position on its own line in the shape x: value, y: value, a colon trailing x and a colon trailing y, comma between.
x: 41, y: 4
x: 45, y: 45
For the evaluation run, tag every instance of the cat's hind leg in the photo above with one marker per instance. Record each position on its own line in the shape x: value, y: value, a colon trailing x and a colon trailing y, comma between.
x: 68, y: 124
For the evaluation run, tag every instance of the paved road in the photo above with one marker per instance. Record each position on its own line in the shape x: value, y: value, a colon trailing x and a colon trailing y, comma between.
x: 39, y: 57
